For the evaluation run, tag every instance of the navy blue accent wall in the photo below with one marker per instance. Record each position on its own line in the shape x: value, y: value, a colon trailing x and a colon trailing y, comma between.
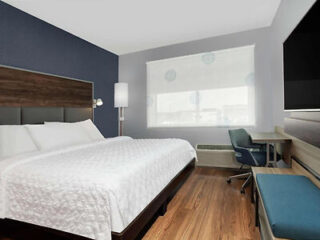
x: 30, y: 43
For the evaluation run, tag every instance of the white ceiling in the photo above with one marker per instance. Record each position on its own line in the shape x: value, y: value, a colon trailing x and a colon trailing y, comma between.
x: 125, y: 26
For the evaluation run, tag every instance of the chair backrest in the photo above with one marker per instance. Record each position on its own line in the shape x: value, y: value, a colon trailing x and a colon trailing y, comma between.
x: 241, y: 141
x: 239, y: 137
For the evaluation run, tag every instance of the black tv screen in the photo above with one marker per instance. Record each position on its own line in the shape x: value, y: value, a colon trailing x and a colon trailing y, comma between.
x: 301, y: 53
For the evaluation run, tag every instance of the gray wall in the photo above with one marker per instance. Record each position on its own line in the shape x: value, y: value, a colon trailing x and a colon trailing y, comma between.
x: 132, y: 69
x: 268, y: 77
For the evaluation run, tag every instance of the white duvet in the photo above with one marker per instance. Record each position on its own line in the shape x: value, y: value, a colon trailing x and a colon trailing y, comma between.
x: 93, y: 189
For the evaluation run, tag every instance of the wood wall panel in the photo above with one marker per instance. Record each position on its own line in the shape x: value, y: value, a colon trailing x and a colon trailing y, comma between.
x: 305, y: 152
x: 307, y: 129
x: 27, y: 89
x: 312, y: 116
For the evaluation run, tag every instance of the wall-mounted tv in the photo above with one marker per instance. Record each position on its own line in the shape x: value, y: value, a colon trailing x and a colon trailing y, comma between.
x: 301, y: 53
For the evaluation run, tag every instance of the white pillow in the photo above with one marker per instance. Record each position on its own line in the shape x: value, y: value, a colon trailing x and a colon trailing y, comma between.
x: 48, y: 137
x: 15, y: 140
x: 92, y: 131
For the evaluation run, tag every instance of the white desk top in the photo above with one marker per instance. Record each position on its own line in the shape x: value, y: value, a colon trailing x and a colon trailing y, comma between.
x: 268, y: 137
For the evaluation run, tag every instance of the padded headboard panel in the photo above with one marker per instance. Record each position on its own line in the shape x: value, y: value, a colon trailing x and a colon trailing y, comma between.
x: 33, y: 98
x: 38, y: 115
x: 77, y: 114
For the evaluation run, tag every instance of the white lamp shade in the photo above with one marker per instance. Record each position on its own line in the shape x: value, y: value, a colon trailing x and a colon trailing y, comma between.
x: 99, y: 102
x: 120, y: 95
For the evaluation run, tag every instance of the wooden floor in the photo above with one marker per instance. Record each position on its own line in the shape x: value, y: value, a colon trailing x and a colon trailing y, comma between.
x: 205, y: 208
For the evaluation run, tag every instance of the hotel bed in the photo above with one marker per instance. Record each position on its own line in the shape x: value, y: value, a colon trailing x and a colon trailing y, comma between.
x: 90, y: 189
x: 99, y: 189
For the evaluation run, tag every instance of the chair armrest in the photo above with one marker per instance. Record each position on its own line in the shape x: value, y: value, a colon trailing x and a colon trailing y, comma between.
x: 245, y: 156
x: 258, y: 146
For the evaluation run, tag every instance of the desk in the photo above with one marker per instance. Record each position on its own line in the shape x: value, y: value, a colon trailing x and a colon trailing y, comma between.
x: 269, y: 138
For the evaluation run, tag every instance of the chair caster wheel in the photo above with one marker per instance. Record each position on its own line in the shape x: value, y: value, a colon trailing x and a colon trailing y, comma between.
x: 229, y: 181
x: 242, y: 191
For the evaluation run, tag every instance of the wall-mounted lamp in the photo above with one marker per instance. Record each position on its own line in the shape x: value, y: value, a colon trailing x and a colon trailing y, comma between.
x: 97, y: 102
x: 120, y: 101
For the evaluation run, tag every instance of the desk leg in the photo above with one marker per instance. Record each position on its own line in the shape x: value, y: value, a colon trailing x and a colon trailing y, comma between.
x: 275, y: 155
x: 268, y: 154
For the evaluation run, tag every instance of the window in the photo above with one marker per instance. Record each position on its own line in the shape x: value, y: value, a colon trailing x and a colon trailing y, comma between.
x: 207, y: 89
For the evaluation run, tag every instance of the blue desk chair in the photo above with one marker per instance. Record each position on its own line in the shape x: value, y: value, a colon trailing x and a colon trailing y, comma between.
x: 247, y: 153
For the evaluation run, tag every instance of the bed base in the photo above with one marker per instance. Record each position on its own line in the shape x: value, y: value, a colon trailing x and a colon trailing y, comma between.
x: 137, y: 228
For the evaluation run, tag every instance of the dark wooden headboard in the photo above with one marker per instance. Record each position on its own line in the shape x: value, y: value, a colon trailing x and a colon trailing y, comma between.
x: 20, y: 88
x: 28, y: 97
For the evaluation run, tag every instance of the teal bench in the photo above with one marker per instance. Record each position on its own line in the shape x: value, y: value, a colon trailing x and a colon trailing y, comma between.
x: 292, y: 204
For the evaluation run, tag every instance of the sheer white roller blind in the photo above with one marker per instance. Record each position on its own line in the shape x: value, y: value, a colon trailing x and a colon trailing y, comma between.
x: 207, y: 89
